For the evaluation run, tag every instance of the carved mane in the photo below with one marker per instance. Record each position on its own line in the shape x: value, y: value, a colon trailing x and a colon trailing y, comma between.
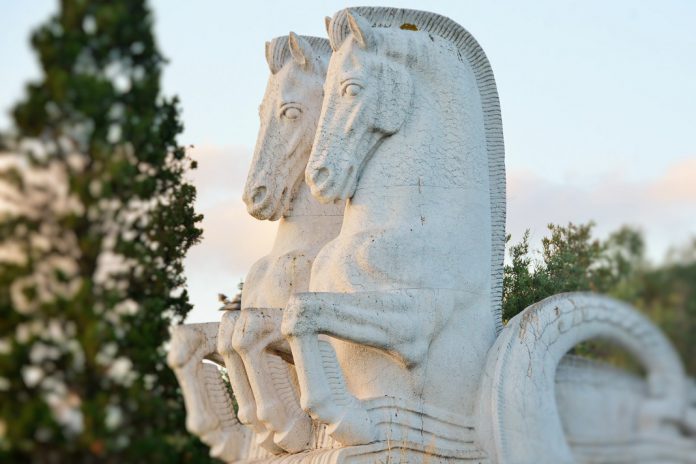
x: 278, y: 50
x: 471, y: 52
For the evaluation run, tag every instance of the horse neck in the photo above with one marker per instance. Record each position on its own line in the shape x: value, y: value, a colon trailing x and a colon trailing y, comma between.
x: 442, y: 141
x: 308, y: 224
x: 433, y: 169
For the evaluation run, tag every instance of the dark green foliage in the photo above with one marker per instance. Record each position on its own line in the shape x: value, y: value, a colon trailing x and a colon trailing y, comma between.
x: 102, y: 239
x: 571, y: 259
x: 667, y: 294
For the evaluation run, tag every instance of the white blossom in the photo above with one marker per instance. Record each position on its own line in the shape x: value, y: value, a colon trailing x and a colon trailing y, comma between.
x: 114, y: 416
x: 121, y: 371
x: 32, y: 375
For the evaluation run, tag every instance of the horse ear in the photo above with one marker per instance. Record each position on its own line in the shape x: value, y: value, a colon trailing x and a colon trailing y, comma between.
x: 327, y: 24
x: 269, y: 58
x: 395, y: 98
x: 300, y: 49
x: 361, y: 29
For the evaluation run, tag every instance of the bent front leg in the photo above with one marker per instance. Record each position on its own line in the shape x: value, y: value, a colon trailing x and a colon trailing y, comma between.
x: 401, y: 322
x: 240, y: 383
x: 348, y: 422
x: 209, y: 410
x: 277, y: 404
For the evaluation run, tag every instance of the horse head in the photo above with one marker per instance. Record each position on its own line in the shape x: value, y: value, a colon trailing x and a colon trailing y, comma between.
x: 289, y: 113
x: 368, y: 97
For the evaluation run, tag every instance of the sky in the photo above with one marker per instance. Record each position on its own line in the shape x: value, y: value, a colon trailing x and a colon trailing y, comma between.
x: 598, y: 102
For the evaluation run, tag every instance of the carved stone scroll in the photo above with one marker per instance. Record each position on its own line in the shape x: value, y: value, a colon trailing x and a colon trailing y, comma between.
x: 520, y: 419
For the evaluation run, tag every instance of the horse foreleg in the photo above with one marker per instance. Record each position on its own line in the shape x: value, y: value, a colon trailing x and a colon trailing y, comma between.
x: 209, y: 411
x: 348, y: 425
x: 402, y: 323
x: 276, y: 405
x: 239, y: 382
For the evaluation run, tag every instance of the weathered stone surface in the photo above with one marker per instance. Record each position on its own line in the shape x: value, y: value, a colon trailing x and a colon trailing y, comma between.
x: 209, y: 411
x: 598, y: 416
x: 275, y: 189
x: 375, y: 335
x: 410, y: 132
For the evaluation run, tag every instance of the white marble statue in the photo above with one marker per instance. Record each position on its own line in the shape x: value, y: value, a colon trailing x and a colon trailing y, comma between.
x: 275, y: 189
x: 209, y: 410
x: 410, y: 131
x: 372, y: 331
x: 249, y: 342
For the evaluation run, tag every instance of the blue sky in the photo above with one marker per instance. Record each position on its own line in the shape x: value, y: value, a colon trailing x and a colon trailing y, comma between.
x: 598, y: 100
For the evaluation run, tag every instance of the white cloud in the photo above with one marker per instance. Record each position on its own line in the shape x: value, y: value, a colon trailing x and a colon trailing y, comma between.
x: 665, y: 209
x: 232, y: 239
x: 221, y: 173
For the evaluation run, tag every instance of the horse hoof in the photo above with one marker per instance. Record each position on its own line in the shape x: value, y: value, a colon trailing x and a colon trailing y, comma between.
x: 354, y: 428
x: 264, y: 438
x: 297, y: 437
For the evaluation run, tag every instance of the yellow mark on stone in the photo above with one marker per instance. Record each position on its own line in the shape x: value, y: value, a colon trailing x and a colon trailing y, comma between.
x: 409, y: 27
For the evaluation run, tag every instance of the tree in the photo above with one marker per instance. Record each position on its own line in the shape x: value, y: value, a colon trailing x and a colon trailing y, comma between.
x: 571, y: 259
x: 667, y: 294
x: 91, y: 248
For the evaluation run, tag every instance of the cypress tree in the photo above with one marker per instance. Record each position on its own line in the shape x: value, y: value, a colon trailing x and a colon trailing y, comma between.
x: 96, y: 222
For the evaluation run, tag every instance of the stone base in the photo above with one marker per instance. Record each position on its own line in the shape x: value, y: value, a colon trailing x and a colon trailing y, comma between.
x: 383, y: 452
x: 642, y: 449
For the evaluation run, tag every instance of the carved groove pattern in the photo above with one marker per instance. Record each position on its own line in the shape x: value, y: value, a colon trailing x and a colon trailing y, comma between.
x: 280, y: 376
x: 218, y: 395
x: 334, y: 376
x: 381, y: 453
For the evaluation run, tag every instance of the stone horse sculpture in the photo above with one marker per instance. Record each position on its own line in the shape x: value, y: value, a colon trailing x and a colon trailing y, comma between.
x: 209, y: 410
x: 393, y: 342
x: 410, y: 132
x: 249, y: 343
x: 275, y: 189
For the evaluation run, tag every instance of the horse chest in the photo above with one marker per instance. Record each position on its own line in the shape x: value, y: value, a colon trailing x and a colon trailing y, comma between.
x: 272, y: 279
x: 376, y: 259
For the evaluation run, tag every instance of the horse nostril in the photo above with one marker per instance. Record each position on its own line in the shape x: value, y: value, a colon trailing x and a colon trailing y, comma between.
x: 321, y: 175
x: 259, y: 195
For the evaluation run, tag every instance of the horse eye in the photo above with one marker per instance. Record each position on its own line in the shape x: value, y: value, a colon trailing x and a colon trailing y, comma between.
x: 351, y: 90
x: 291, y: 112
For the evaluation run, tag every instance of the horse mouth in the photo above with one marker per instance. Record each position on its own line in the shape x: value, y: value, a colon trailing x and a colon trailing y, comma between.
x: 329, y: 185
x: 271, y: 209
x: 261, y: 211
x: 281, y: 206
x: 327, y: 188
